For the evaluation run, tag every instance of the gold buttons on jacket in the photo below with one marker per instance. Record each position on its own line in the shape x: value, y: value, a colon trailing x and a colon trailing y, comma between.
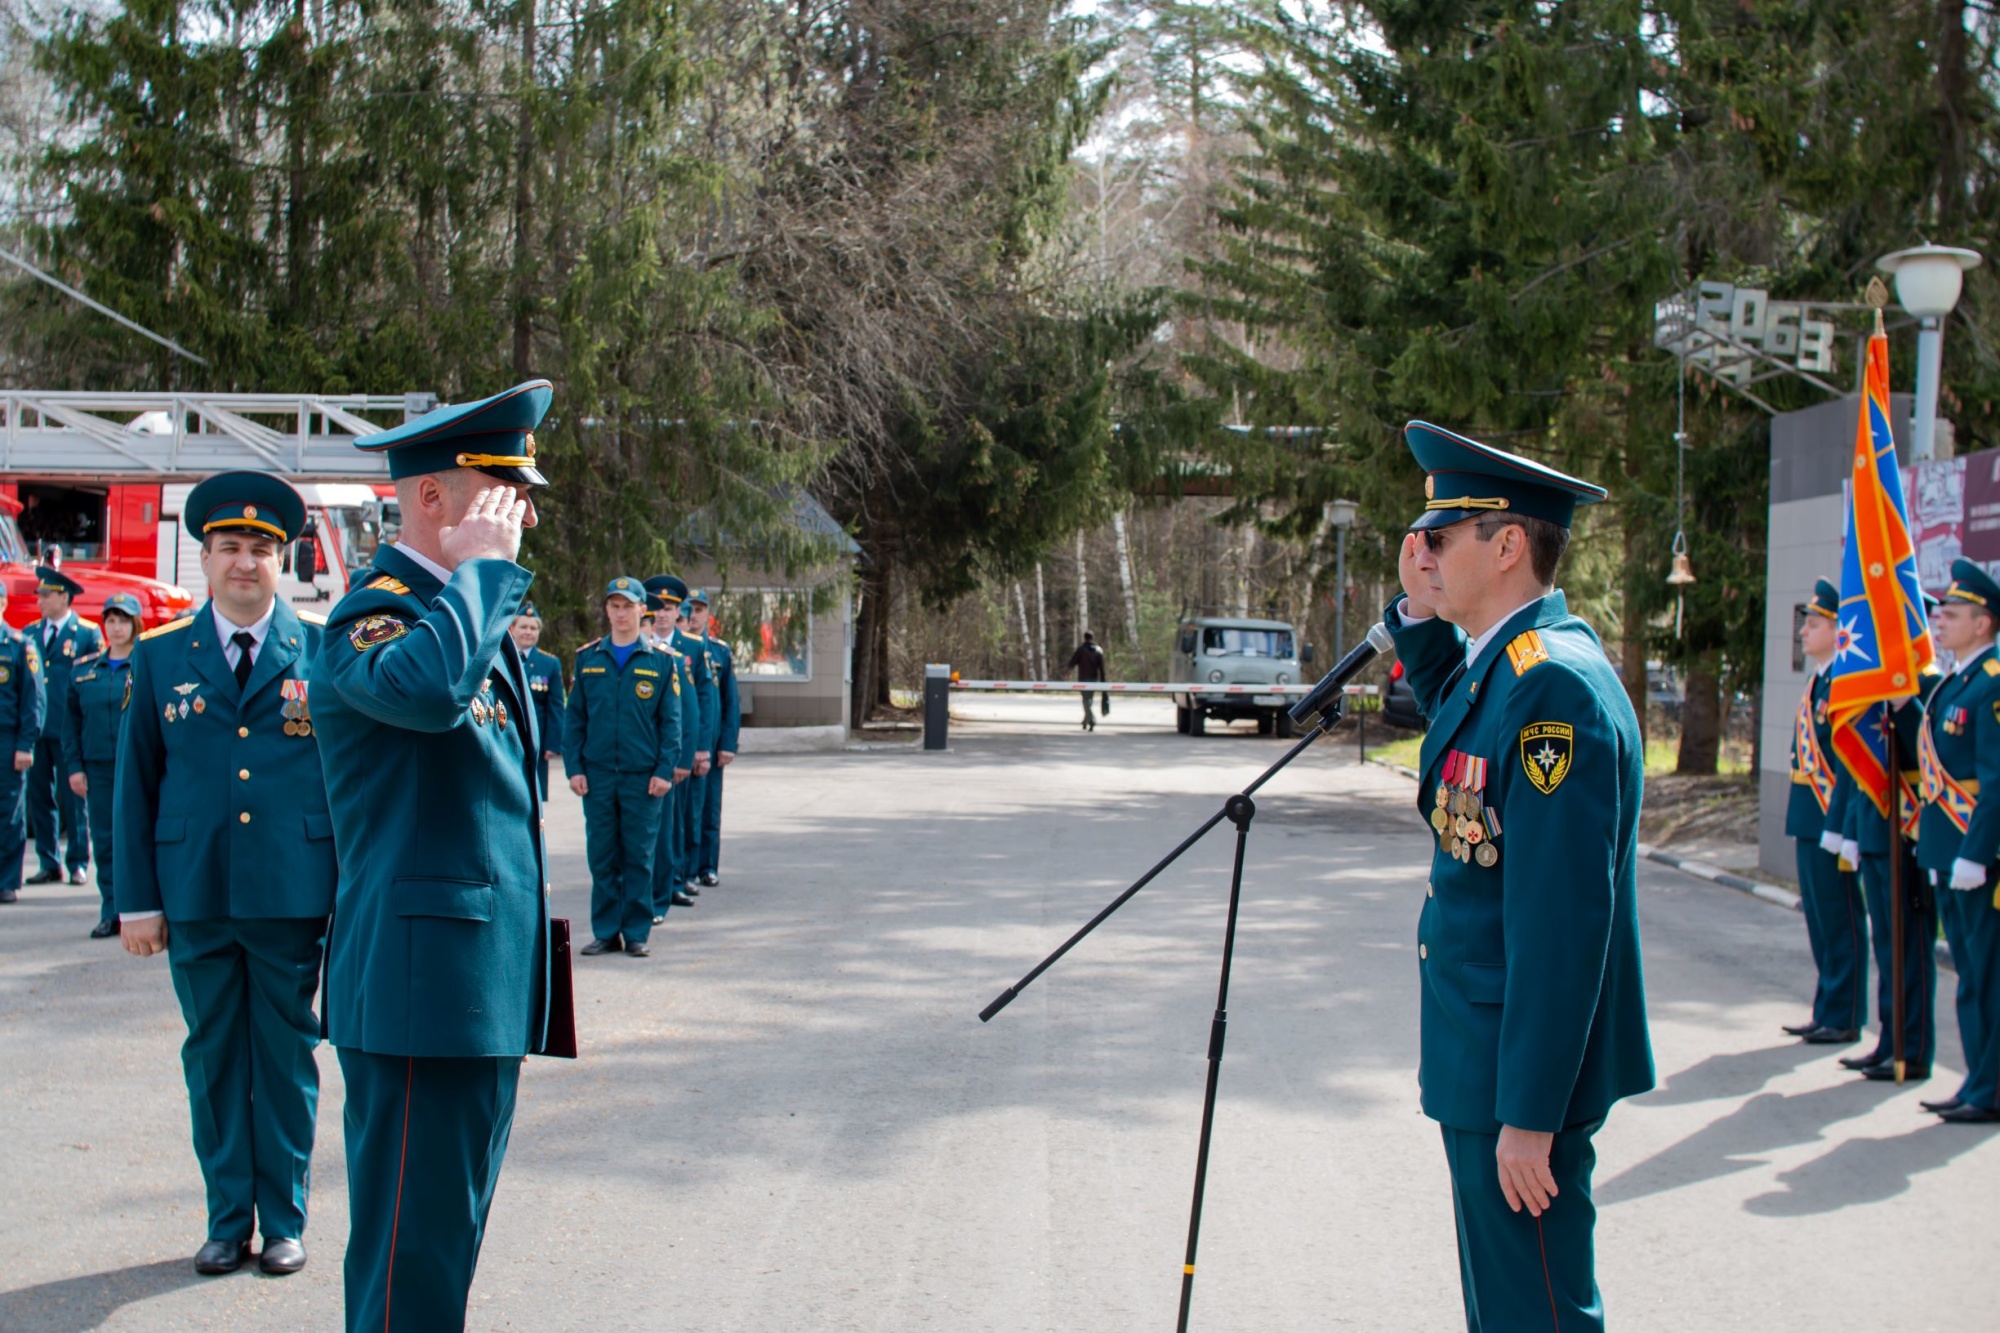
x: 1423, y: 950
x: 243, y: 773
x: 243, y: 818
x: 243, y: 731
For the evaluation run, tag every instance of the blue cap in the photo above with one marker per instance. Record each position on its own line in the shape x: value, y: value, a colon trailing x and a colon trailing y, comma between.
x: 1825, y: 600
x: 528, y: 609
x: 124, y: 603
x: 50, y: 579
x: 697, y: 595
x: 1971, y: 583
x: 670, y: 591
x: 627, y: 587
x: 1464, y: 479
x: 494, y: 435
x: 244, y: 502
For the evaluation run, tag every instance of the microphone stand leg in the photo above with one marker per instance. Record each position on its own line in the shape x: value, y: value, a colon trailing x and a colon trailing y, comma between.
x: 1240, y: 810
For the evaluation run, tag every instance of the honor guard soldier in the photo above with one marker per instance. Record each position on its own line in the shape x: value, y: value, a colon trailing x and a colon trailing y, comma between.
x: 223, y: 853
x: 707, y: 715
x: 55, y: 813
x: 620, y: 744
x: 1836, y: 919
x: 665, y: 594
x: 438, y: 966
x: 545, y: 682
x: 1533, y: 1006
x: 22, y: 711
x: 721, y: 742
x: 1959, y: 841
x: 99, y: 691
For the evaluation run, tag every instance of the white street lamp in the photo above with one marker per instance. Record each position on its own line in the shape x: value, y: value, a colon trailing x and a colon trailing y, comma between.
x: 1341, y: 514
x: 1929, y: 279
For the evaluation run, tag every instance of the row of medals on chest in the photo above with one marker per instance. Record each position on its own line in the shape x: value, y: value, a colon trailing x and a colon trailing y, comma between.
x: 1466, y: 826
x: 295, y: 710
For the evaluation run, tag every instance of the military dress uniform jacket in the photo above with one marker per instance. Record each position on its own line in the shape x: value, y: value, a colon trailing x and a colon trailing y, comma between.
x: 706, y: 713
x: 625, y: 721
x: 1816, y: 773
x: 729, y: 704
x: 219, y: 811
x: 545, y: 683
x: 1852, y: 812
x: 1534, y: 1008
x: 23, y: 695
x: 75, y: 639
x: 1961, y: 721
x: 684, y: 672
x: 98, y: 695
x: 440, y: 937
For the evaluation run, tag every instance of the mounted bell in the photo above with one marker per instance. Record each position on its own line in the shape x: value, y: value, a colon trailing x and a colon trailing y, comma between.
x: 1683, y: 570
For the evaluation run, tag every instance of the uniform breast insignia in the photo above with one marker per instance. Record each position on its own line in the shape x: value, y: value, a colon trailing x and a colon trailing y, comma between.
x: 1525, y: 651
x: 1955, y: 719
x: 1546, y: 751
x: 6, y: 673
x: 35, y: 657
x: 1465, y: 824
x: 126, y: 702
x: 590, y: 671
x: 389, y: 583
x: 644, y: 689
x: 374, y: 631
x: 297, y: 710
x: 200, y: 703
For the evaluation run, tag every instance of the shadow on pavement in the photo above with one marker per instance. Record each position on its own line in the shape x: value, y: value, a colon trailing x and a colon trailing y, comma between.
x: 76, y: 1304
x: 1863, y: 1171
x: 1733, y: 1074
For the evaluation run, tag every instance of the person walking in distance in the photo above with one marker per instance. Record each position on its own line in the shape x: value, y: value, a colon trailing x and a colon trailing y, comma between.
x: 1088, y: 663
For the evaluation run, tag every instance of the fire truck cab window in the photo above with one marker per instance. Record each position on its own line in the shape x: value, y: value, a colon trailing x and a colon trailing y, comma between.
x: 71, y: 517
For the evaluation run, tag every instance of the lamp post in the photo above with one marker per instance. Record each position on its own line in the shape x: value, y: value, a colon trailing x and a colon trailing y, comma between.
x: 1929, y: 279
x: 1340, y: 513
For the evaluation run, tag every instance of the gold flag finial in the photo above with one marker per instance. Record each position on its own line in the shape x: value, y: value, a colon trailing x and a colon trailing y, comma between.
x: 1878, y: 297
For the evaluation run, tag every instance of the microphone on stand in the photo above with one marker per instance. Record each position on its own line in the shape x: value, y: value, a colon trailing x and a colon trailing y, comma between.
x: 1322, y: 706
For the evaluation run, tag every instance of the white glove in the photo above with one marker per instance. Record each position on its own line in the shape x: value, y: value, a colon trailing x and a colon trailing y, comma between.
x: 1967, y: 874
x: 1850, y: 852
x: 1830, y: 843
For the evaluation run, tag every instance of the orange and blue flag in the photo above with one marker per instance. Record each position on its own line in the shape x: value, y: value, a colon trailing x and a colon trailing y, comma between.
x: 1882, y: 641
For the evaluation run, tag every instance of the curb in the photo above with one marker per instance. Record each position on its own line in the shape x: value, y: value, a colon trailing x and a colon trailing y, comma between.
x: 1404, y: 769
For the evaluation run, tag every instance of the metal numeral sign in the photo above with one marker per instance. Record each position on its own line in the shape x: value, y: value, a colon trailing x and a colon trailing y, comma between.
x: 1741, y: 337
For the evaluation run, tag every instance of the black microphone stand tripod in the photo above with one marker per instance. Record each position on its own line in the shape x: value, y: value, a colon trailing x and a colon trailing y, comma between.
x: 1239, y: 810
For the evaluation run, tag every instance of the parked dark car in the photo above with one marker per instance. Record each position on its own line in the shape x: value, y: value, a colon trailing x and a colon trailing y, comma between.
x: 1399, y: 702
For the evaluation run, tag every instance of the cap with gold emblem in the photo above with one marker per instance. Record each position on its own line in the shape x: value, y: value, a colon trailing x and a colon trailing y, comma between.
x: 50, y: 579
x: 244, y: 502
x: 627, y: 587
x: 1971, y: 583
x: 494, y: 435
x: 1464, y: 479
x: 1825, y: 600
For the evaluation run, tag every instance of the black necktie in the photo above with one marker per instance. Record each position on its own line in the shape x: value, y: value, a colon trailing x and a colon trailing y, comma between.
x: 244, y: 641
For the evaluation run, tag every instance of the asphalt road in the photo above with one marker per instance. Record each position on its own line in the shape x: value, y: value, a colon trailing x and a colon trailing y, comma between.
x: 789, y: 1118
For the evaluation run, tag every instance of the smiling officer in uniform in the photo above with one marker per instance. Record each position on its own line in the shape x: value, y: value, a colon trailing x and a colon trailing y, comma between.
x: 1533, y: 1006
x: 223, y: 857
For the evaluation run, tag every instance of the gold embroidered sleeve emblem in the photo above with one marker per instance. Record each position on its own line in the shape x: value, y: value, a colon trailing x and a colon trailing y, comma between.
x: 1546, y: 751
x: 374, y: 631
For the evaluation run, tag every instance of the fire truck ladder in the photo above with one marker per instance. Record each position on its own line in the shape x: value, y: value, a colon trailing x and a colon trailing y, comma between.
x: 132, y: 436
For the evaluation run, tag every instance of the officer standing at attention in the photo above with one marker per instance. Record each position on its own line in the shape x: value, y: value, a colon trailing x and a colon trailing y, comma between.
x: 664, y: 594
x: 1959, y: 838
x: 620, y: 744
x: 60, y: 637
x: 706, y: 712
x: 545, y: 682
x: 22, y: 701
x: 437, y: 969
x: 722, y: 741
x: 223, y: 852
x: 1836, y: 919
x: 98, y: 693
x: 1534, y: 1009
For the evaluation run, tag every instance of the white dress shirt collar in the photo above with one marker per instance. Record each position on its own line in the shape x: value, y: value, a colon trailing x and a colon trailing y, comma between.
x: 423, y: 562
x: 1964, y: 663
x: 227, y: 630
x: 1475, y: 646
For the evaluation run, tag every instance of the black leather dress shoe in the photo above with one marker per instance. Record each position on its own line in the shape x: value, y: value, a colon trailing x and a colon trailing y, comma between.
x: 596, y: 947
x: 281, y: 1257
x: 1939, y: 1108
x: 658, y: 920
x: 9, y: 896
x: 690, y: 890
x: 638, y: 951
x: 104, y: 930
x: 709, y: 879
x: 1965, y: 1113
x: 1886, y: 1072
x: 1831, y: 1036
x: 1863, y: 1061
x: 1800, y: 1029
x: 681, y: 900
x: 221, y: 1256
x: 46, y: 877
x: 78, y: 877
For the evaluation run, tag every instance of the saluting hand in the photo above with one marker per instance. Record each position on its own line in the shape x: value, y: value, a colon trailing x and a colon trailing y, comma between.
x: 1523, y: 1160
x: 145, y: 937
x: 1415, y: 584
x: 490, y: 530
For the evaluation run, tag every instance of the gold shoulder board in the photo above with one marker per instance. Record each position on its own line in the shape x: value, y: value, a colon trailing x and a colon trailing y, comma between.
x: 1526, y: 651
x: 310, y: 617
x: 172, y: 626
x: 390, y: 583
x: 1992, y: 667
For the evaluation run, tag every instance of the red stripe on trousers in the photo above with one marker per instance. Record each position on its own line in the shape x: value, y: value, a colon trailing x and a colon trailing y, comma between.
x: 1555, y: 1320
x: 396, y: 1219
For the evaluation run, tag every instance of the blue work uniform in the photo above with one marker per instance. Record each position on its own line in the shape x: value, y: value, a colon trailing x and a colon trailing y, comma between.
x: 1959, y: 756
x: 622, y: 731
x: 438, y: 964
x: 669, y: 873
x: 706, y: 712
x: 728, y: 728
x: 23, y: 702
x: 1836, y: 917
x: 99, y: 691
x: 545, y: 683
x: 219, y: 820
x: 55, y: 813
x: 1533, y: 1002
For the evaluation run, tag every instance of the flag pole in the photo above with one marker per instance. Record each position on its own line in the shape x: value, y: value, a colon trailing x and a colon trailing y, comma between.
x: 1896, y: 925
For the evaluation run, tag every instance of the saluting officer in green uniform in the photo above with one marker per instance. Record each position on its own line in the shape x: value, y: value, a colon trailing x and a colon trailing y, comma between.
x: 23, y: 700
x: 721, y: 742
x: 545, y: 682
x: 55, y: 813
x: 1836, y: 919
x: 223, y: 854
x: 620, y: 744
x: 1959, y: 838
x: 437, y: 970
x: 1534, y: 1009
x: 98, y: 693
x: 664, y: 594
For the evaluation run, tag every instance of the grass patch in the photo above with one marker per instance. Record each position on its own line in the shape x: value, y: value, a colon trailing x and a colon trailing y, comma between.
x: 1662, y: 753
x: 1405, y: 751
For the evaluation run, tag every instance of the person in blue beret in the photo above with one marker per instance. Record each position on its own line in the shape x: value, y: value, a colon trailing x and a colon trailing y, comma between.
x: 223, y: 857
x: 439, y: 962
x: 721, y: 741
x: 1533, y: 1016
x: 664, y: 594
x: 56, y: 816
x: 99, y: 692
x: 545, y: 682
x: 1958, y: 841
x: 23, y: 703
